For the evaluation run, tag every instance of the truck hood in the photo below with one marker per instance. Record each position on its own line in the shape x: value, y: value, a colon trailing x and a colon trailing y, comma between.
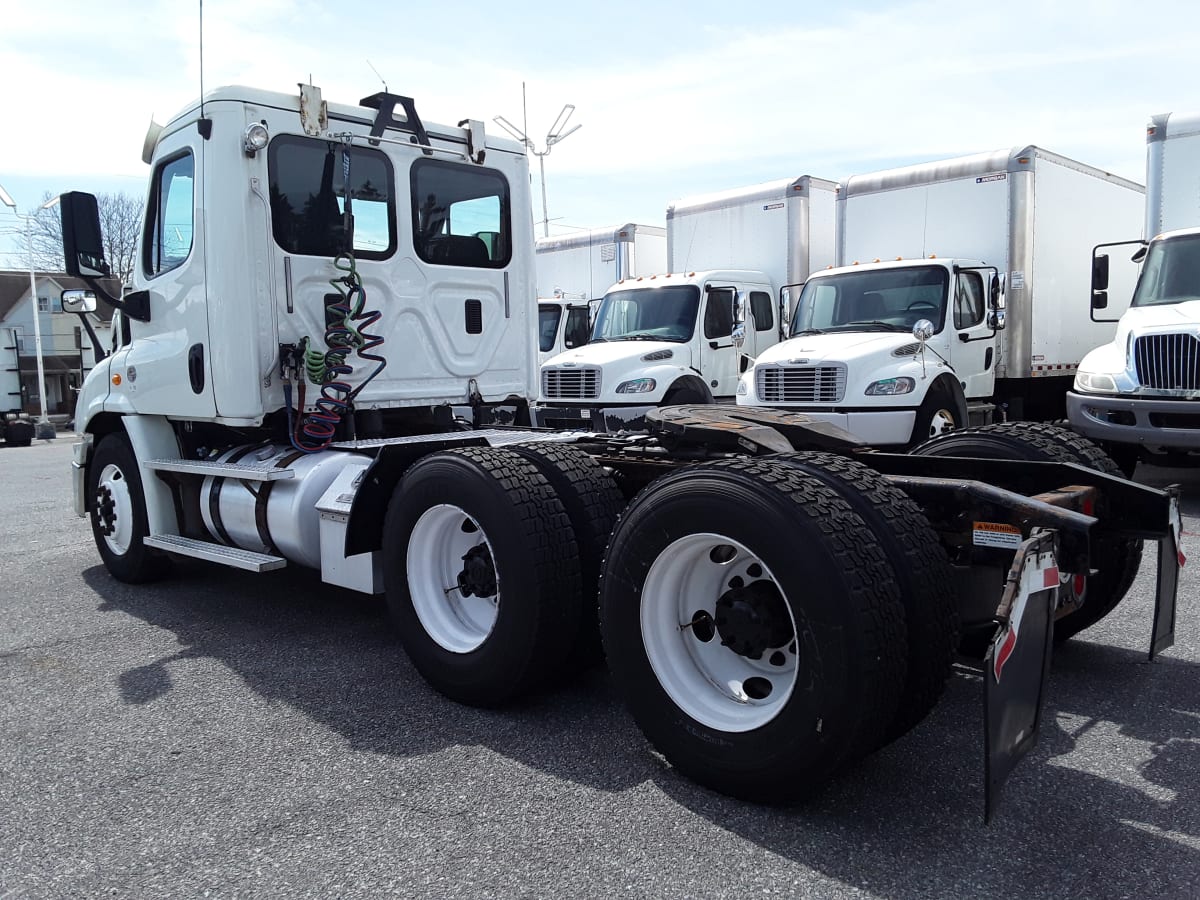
x: 1167, y: 317
x: 838, y: 347
x: 610, y: 352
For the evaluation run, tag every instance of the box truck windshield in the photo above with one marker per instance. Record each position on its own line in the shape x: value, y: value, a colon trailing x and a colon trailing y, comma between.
x: 648, y: 314
x: 1172, y: 272
x: 879, y: 300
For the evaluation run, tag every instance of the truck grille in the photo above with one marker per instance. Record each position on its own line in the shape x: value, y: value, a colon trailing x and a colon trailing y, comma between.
x: 1169, y: 362
x: 801, y: 384
x: 570, y: 384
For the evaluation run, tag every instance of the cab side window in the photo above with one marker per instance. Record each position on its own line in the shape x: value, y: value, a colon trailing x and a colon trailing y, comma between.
x: 968, y: 300
x: 461, y: 215
x: 760, y: 308
x: 718, y: 314
x: 577, y: 330
x: 169, y: 224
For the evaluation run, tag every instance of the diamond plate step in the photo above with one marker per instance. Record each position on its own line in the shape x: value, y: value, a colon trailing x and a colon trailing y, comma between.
x: 246, y: 471
x: 218, y: 553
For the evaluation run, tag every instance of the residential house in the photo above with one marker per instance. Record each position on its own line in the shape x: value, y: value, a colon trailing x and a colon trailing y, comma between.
x: 67, y: 352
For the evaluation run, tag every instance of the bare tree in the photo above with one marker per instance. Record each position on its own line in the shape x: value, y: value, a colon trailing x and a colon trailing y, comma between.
x: 120, y: 225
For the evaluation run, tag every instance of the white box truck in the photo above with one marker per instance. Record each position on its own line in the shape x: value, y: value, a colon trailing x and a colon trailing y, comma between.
x: 574, y: 271
x: 582, y: 266
x: 953, y: 233
x: 667, y: 339
x: 1140, y: 393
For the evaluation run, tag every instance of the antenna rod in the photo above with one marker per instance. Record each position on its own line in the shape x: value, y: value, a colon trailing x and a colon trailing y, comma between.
x: 204, y: 126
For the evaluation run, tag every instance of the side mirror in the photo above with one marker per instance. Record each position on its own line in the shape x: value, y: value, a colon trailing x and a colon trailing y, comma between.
x: 739, y: 335
x: 78, y: 302
x: 1099, y: 299
x: 1100, y: 272
x: 83, y: 246
x: 922, y: 330
x: 739, y: 307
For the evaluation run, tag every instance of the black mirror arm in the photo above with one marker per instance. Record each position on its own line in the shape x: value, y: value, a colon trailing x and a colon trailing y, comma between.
x: 136, y: 305
x: 97, y: 350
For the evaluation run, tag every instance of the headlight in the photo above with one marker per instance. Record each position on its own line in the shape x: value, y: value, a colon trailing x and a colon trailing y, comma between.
x: 1095, y: 383
x: 890, y: 386
x: 637, y: 386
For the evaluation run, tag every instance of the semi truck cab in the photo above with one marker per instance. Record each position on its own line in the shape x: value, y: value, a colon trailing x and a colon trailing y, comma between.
x: 893, y: 352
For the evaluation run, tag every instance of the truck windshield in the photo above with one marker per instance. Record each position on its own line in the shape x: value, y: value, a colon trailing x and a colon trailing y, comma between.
x: 1171, y: 273
x: 648, y: 314
x: 874, y: 300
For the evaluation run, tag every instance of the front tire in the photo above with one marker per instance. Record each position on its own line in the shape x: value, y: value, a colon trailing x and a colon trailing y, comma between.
x: 753, y: 627
x: 937, y: 415
x: 118, y: 513
x: 481, y: 572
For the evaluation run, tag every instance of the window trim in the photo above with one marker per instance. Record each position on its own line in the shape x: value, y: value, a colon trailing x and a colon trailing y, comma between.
x: 982, y: 299
x: 149, y: 235
x: 506, y: 217
x: 770, y: 306
x: 708, y: 304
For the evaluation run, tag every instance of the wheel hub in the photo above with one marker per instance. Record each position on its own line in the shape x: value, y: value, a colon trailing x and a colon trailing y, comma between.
x: 106, y: 510
x: 753, y: 619
x: 478, y: 575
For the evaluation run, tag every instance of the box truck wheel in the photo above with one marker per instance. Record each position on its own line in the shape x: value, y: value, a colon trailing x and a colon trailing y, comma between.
x: 938, y: 414
x: 481, y: 573
x: 118, y: 513
x: 1116, y: 558
x: 592, y: 502
x: 921, y: 569
x: 753, y: 627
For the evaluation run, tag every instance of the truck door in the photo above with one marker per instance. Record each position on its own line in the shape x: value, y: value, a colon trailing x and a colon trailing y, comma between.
x: 171, y: 372
x: 718, y: 357
x: 972, y: 342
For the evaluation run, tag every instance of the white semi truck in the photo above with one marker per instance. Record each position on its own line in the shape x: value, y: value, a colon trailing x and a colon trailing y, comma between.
x: 982, y: 252
x: 319, y: 285
x: 667, y: 338
x: 1140, y: 393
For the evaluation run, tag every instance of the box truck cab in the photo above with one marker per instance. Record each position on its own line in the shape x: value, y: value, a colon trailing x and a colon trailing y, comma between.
x: 658, y: 340
x: 1140, y: 394
x: 563, y: 324
x: 965, y: 236
x: 888, y: 351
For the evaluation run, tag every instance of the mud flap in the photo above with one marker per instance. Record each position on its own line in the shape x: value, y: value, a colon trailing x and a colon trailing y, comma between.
x: 1017, y: 664
x: 1170, y: 560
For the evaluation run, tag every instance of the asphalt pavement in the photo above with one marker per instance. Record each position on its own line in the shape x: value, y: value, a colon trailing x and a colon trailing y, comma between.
x: 224, y: 734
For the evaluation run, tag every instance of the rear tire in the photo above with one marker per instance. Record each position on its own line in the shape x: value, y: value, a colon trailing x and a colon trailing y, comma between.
x: 922, y: 572
x: 1116, y: 558
x: 753, y: 627
x: 118, y: 513
x: 592, y: 502
x: 482, y: 574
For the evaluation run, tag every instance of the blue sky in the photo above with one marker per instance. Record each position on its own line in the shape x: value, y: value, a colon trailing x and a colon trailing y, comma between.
x: 674, y: 100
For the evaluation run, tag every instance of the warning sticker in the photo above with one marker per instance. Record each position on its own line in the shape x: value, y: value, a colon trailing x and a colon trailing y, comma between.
x: 997, y: 534
x: 987, y: 178
x: 1016, y: 280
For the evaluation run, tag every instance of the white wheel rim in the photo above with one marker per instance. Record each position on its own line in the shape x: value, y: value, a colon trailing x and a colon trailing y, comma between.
x: 942, y: 421
x: 441, y: 538
x: 708, y: 681
x: 114, y: 509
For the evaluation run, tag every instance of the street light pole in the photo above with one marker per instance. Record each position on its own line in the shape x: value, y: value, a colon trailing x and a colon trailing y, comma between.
x: 555, y: 135
x: 44, y: 429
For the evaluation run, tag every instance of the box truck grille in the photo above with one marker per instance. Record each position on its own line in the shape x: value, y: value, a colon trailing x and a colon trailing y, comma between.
x: 1169, y: 362
x: 571, y: 384
x: 801, y: 384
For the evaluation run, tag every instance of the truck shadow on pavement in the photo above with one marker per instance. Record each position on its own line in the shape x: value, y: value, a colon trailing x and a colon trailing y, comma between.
x: 906, y: 822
